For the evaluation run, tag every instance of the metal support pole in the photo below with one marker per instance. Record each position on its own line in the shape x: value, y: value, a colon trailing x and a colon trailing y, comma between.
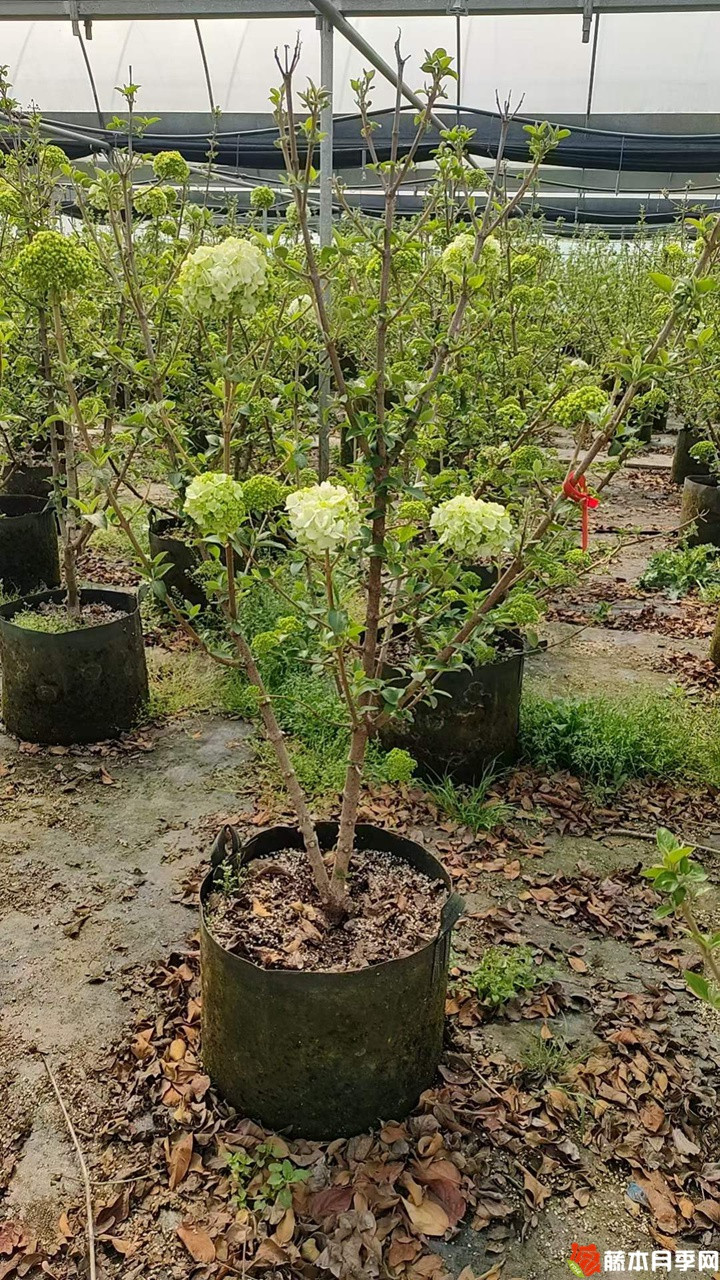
x: 593, y: 63
x: 591, y: 87
x: 328, y: 10
x: 326, y: 229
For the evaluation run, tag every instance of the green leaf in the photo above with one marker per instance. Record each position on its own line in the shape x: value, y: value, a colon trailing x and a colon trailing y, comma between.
x: 337, y: 621
x: 698, y: 985
x: 666, y: 283
x: 665, y: 840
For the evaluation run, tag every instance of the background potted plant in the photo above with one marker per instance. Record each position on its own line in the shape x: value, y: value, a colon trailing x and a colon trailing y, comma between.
x: 73, y: 662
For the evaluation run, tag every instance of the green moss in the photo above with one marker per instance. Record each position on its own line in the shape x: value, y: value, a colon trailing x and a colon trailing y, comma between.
x: 51, y: 623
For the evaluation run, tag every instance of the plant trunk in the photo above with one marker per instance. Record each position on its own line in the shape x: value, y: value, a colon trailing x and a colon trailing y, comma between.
x: 65, y: 452
x: 715, y: 643
x: 361, y: 732
x: 276, y: 738
x: 348, y: 816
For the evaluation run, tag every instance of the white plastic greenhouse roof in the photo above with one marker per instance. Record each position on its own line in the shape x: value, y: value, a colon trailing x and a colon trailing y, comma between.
x: 647, y: 63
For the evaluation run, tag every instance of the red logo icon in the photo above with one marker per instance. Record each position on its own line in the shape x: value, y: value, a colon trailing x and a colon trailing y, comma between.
x: 585, y: 1260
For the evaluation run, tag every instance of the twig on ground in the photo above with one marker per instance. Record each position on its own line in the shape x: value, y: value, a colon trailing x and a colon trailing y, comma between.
x: 651, y: 835
x: 83, y: 1167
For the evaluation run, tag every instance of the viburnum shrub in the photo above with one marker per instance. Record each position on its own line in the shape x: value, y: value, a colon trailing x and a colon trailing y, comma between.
x: 50, y: 267
x: 384, y: 548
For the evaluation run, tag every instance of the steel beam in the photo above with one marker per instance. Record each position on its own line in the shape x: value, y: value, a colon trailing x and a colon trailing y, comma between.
x: 92, y: 10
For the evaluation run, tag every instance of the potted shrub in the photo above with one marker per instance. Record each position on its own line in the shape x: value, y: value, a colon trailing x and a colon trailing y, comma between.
x: 684, y: 462
x: 321, y: 999
x: 28, y: 540
x: 700, y: 507
x: 73, y: 661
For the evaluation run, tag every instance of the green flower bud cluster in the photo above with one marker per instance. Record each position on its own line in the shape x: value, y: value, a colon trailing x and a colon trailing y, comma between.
x: 511, y: 416
x: 407, y: 258
x: 267, y: 643
x: 170, y: 166
x: 150, y: 201
x: 262, y: 494
x: 578, y: 406
x: 398, y: 766
x: 523, y: 264
x: 52, y: 158
x: 53, y: 264
x: 412, y: 511
x: 530, y: 295
x: 522, y: 609
x: 525, y: 458
x: 262, y: 198
x: 10, y: 202
x: 578, y: 559
x: 445, y: 406
x: 429, y: 439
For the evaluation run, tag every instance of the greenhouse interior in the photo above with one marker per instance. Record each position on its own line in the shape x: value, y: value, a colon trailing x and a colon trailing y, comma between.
x: 359, y: 639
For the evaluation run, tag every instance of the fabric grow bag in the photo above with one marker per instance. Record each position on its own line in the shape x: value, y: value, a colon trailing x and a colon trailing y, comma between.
x: 325, y: 1054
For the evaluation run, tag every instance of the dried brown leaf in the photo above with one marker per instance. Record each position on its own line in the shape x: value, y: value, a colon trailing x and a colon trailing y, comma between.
x: 180, y: 1158
x: 197, y: 1242
x: 429, y: 1218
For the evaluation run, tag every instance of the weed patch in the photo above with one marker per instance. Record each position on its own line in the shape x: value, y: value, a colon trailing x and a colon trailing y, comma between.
x: 609, y: 741
x: 470, y: 805
x: 684, y: 569
x: 503, y: 974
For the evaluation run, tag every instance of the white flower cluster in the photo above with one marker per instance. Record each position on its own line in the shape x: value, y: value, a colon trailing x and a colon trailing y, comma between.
x: 302, y: 308
x: 215, y: 502
x: 456, y: 258
x: 470, y: 528
x: 323, y: 518
x: 225, y: 276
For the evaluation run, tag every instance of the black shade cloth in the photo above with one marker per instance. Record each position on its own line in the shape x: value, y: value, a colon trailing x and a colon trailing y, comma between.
x: 584, y: 149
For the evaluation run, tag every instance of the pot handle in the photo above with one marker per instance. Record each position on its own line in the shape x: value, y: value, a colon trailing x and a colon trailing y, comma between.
x: 451, y: 912
x: 219, y: 849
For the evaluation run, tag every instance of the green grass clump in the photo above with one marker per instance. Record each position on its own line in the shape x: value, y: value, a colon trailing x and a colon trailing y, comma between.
x: 546, y: 1061
x: 609, y: 740
x: 503, y: 974
x: 684, y: 569
x: 181, y: 682
x: 468, y: 805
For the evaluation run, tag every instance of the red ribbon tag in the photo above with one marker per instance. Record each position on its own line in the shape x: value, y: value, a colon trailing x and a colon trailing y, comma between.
x: 576, y: 491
